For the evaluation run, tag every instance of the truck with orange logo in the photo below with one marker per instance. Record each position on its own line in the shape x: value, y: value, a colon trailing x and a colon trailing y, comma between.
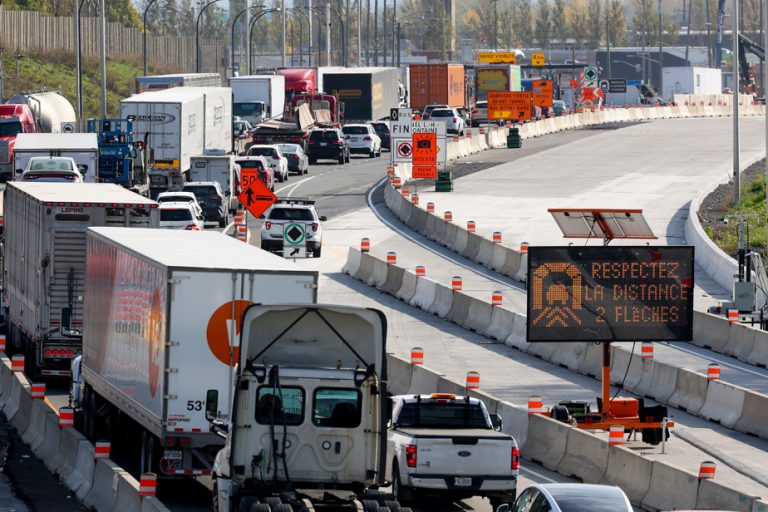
x: 163, y: 313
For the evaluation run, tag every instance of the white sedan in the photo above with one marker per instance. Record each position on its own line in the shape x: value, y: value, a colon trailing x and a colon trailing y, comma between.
x: 274, y: 156
x: 362, y: 138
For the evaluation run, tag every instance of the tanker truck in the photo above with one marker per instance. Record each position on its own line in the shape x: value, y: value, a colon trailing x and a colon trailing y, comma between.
x: 52, y: 112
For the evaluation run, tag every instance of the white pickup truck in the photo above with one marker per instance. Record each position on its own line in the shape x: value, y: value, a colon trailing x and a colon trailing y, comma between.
x: 450, y: 446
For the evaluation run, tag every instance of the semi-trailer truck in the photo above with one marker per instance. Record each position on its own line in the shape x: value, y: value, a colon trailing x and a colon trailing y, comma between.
x: 436, y: 84
x: 497, y: 77
x: 257, y: 98
x: 53, y: 113
x: 44, y: 263
x: 163, y: 313
x: 367, y: 93
x: 14, y: 119
x: 160, y: 82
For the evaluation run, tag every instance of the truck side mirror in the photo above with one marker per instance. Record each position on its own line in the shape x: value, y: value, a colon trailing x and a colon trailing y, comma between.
x: 496, y: 422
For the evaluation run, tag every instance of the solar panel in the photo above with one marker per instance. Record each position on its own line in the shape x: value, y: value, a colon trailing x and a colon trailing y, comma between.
x: 605, y: 224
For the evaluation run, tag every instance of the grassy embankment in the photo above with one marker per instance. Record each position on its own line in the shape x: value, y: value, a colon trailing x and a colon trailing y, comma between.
x: 752, y: 202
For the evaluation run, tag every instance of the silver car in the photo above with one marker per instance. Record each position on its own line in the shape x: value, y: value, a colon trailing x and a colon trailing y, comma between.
x: 564, y: 497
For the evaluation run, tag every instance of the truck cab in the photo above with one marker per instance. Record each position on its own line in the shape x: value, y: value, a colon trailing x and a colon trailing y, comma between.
x: 309, y: 410
x: 14, y: 119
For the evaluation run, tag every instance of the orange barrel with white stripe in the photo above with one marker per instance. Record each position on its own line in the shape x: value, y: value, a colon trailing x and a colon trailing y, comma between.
x: 473, y: 380
x: 524, y: 248
x: 415, y: 198
x: 365, y: 245
x: 455, y: 138
x: 148, y: 484
x: 239, y: 217
x: 405, y: 192
x: 482, y: 130
x: 616, y: 435
x: 430, y: 207
x: 102, y: 450
x: 497, y: 237
x: 535, y: 405
x: 396, y: 181
x: 420, y: 271
x: 646, y: 350
x: 733, y: 316
x: 17, y: 363
x: 448, y: 216
x: 66, y: 417
x: 456, y: 283
x: 471, y: 226
x: 2, y: 342
x: 391, y: 258
x: 390, y: 170
x: 417, y: 355
x: 713, y: 372
x: 707, y: 470
x: 496, y: 298
x: 38, y: 390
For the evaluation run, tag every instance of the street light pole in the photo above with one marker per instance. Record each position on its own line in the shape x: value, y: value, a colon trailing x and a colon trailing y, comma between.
x: 79, y: 62
x: 394, y: 33
x: 360, y: 33
x: 103, y: 56
x: 283, y: 12
x: 197, y: 34
x: 309, y: 20
x: 328, y: 34
x: 250, y: 30
x: 735, y: 59
x: 661, y: 55
x: 144, y: 34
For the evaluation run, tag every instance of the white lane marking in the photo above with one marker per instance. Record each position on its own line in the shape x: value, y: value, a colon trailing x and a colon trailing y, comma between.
x: 720, y: 358
x: 456, y: 260
x: 536, y: 474
x: 294, y: 185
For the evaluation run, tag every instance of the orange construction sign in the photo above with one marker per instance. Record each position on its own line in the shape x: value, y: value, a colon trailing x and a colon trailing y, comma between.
x: 255, y: 195
x: 510, y: 105
x: 428, y: 172
x: 543, y: 93
x: 424, y: 149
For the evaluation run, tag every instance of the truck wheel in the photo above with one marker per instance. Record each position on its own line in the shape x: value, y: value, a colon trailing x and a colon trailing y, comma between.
x: 272, y: 501
x: 282, y: 507
x: 371, y: 154
x: 370, y: 505
x: 247, y: 504
x: 316, y: 253
x: 382, y: 509
x: 392, y: 505
x: 29, y: 358
x: 89, y: 413
x: 280, y: 177
x: 402, y: 493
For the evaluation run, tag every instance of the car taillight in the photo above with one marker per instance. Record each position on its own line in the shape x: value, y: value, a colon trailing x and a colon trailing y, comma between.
x: 312, y: 141
x: 410, y: 455
x: 267, y: 225
x: 314, y: 226
x: 336, y: 141
x: 515, y: 458
x: 454, y: 119
x: 192, y: 227
x: 367, y: 137
x: 294, y: 157
x: 275, y: 158
x: 474, y: 111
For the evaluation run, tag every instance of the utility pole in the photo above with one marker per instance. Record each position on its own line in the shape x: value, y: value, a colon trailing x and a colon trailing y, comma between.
x: 328, y: 34
x: 309, y: 17
x: 765, y: 88
x: 103, y: 56
x: 367, y: 32
x: 359, y: 33
x: 384, y: 46
x: 283, y: 47
x: 661, y: 55
x: 2, y: 77
x: 247, y: 35
x: 375, y: 32
x: 395, y: 56
x: 735, y: 62
x: 608, y: 10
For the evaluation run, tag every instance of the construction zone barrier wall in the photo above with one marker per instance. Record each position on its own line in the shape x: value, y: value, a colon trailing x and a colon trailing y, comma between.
x: 98, y: 483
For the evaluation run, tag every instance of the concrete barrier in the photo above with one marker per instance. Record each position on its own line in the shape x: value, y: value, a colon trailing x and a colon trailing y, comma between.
x: 379, y: 271
x: 663, y: 383
x: 399, y: 373
x: 459, y: 310
x: 78, y: 472
x: 365, y: 270
x: 127, y: 497
x: 103, y: 493
x: 690, y: 391
x: 671, y: 488
x: 724, y: 403
x: 570, y: 355
x: 515, y: 421
x: 47, y: 449
x: 741, y: 341
x: 585, y: 457
x: 426, y: 289
x: 423, y: 380
x: 408, y: 289
x: 759, y: 354
x: 21, y: 419
x: 479, y: 317
x: 393, y: 281
x: 754, y: 416
x: 592, y: 363
x: 709, y: 331
x: 152, y: 504
x: 546, y: 441
x: 628, y: 471
x: 715, y: 496
x: 36, y: 429
x: 443, y: 301
x: 352, y: 266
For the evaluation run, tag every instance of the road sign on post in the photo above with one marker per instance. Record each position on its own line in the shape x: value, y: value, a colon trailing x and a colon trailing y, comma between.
x: 496, y: 57
x: 543, y: 93
x: 590, y: 77
x: 437, y: 127
x: 617, y: 85
x: 425, y: 148
x: 537, y: 59
x: 509, y: 105
x: 294, y: 240
x: 255, y: 195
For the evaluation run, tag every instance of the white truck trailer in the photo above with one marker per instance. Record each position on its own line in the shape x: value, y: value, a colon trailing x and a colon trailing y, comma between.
x: 258, y: 98
x: 691, y: 80
x: 163, y: 311
x: 176, y: 124
x: 219, y: 168
x: 160, y: 82
x: 44, y: 263
x: 83, y: 148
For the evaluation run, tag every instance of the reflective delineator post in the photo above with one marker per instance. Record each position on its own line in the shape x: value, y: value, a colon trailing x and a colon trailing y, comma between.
x: 616, y: 435
x: 448, y: 216
x: 102, y: 450
x: 17, y: 363
x: 456, y: 283
x: 471, y: 226
x: 535, y: 405
x: 497, y: 237
x: 496, y: 298
x: 417, y: 355
x: 524, y: 248
x: 713, y: 372
x: 646, y: 350
x: 66, y: 417
x: 415, y: 198
x: 365, y: 245
x: 430, y: 207
x: 707, y: 470
x: 733, y: 316
x: 420, y: 271
x: 391, y: 258
x: 148, y: 484
x: 38, y: 391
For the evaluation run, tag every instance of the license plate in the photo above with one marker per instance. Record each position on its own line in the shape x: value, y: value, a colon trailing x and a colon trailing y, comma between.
x: 323, y: 143
x: 462, y: 481
x: 355, y: 139
x: 177, y: 455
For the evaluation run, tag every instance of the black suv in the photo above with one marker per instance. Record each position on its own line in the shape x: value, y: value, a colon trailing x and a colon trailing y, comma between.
x: 382, y: 130
x: 327, y: 143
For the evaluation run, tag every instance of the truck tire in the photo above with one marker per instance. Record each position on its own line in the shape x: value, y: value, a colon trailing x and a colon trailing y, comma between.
x: 370, y: 505
x: 403, y: 494
x: 392, y: 505
x: 382, y: 509
x: 247, y: 503
x: 272, y: 501
x: 282, y: 507
x: 260, y: 507
x: 341, y: 160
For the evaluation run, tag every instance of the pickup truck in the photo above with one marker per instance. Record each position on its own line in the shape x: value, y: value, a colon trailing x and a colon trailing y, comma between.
x: 448, y: 445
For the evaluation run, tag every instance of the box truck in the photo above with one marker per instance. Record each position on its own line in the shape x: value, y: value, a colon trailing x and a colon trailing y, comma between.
x: 496, y: 77
x: 160, y: 82
x: 367, y: 93
x: 176, y: 124
x: 257, y: 98
x: 219, y: 168
x: 691, y: 80
x: 83, y: 148
x: 436, y: 84
x: 44, y: 263
x: 163, y: 316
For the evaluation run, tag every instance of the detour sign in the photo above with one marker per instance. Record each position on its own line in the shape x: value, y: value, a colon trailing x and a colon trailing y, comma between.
x: 509, y: 105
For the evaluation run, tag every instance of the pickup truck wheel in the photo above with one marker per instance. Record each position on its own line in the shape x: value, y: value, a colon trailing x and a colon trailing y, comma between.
x: 341, y: 160
x: 393, y: 506
x: 402, y: 493
x: 282, y: 507
x: 497, y: 502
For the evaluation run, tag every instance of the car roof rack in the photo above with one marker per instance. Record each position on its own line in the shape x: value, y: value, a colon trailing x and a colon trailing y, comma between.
x: 295, y: 200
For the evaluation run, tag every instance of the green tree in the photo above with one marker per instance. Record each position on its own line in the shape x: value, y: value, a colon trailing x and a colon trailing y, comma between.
x: 559, y: 22
x: 616, y: 23
x: 523, y: 22
x: 543, y: 24
x: 579, y: 23
x: 118, y: 11
x: 594, y: 23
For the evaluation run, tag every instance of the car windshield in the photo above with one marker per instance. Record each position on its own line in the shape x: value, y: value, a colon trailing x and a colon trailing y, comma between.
x: 175, y: 215
x: 10, y: 129
x: 324, y: 135
x: 441, y: 415
x: 291, y: 214
x: 202, y: 190
x: 355, y: 130
x: 256, y: 151
x: 247, y: 109
x: 174, y: 199
x: 250, y: 164
x: 588, y: 500
x: 50, y: 177
x: 442, y: 113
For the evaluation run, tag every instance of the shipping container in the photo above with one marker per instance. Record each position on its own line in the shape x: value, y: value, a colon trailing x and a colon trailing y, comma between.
x: 44, y: 263
x: 163, y: 316
x: 436, y: 84
x: 258, y: 98
x: 160, y: 82
x: 367, y: 93
x: 496, y: 77
x: 83, y: 148
x: 691, y: 80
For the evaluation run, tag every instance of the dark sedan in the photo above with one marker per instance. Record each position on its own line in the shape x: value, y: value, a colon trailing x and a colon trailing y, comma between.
x: 382, y: 130
x: 298, y: 161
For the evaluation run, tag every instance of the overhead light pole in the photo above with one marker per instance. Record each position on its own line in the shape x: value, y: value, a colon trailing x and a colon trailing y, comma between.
x: 103, y: 56
x: 79, y: 61
x: 197, y: 33
x: 735, y: 62
x: 144, y: 33
x: 256, y: 18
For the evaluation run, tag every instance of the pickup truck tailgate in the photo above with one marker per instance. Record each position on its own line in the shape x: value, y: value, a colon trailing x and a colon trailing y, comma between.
x: 463, y: 452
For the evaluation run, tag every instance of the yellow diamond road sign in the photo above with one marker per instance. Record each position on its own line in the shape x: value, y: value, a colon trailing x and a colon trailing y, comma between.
x: 537, y: 59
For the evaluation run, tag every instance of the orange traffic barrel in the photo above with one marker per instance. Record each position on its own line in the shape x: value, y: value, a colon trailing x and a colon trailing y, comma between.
x: 17, y: 363
x: 456, y: 283
x: 396, y: 181
x: 707, y: 470
x: 38, y: 390
x: 473, y: 380
x: 148, y: 484
x: 496, y: 298
x: 420, y: 271
x: 390, y: 170
x: 405, y: 192
x: 471, y: 226
x: 2, y: 342
x: 713, y: 372
x: 524, y: 248
x: 646, y: 350
x: 102, y: 450
x: 616, y: 435
x: 415, y: 198
x: 430, y: 207
x: 448, y: 216
x: 733, y: 316
x: 497, y: 237
x: 535, y: 405
x: 365, y: 245
x: 417, y: 355
x: 66, y: 417
x: 239, y: 217
x: 391, y: 258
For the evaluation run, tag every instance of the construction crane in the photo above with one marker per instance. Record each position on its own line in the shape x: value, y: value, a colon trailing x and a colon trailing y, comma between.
x: 745, y: 45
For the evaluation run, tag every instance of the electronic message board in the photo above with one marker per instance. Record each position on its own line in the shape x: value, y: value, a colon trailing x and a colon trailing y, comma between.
x: 622, y: 293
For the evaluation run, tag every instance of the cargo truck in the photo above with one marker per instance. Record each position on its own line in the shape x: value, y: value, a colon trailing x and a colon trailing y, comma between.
x: 53, y: 113
x: 14, y: 119
x: 175, y: 124
x: 436, y: 84
x: 83, y: 148
x: 160, y: 82
x: 219, y: 168
x: 308, y: 429
x: 496, y: 77
x: 163, y: 313
x: 44, y: 263
x: 367, y: 93
x: 307, y: 112
x: 257, y: 98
